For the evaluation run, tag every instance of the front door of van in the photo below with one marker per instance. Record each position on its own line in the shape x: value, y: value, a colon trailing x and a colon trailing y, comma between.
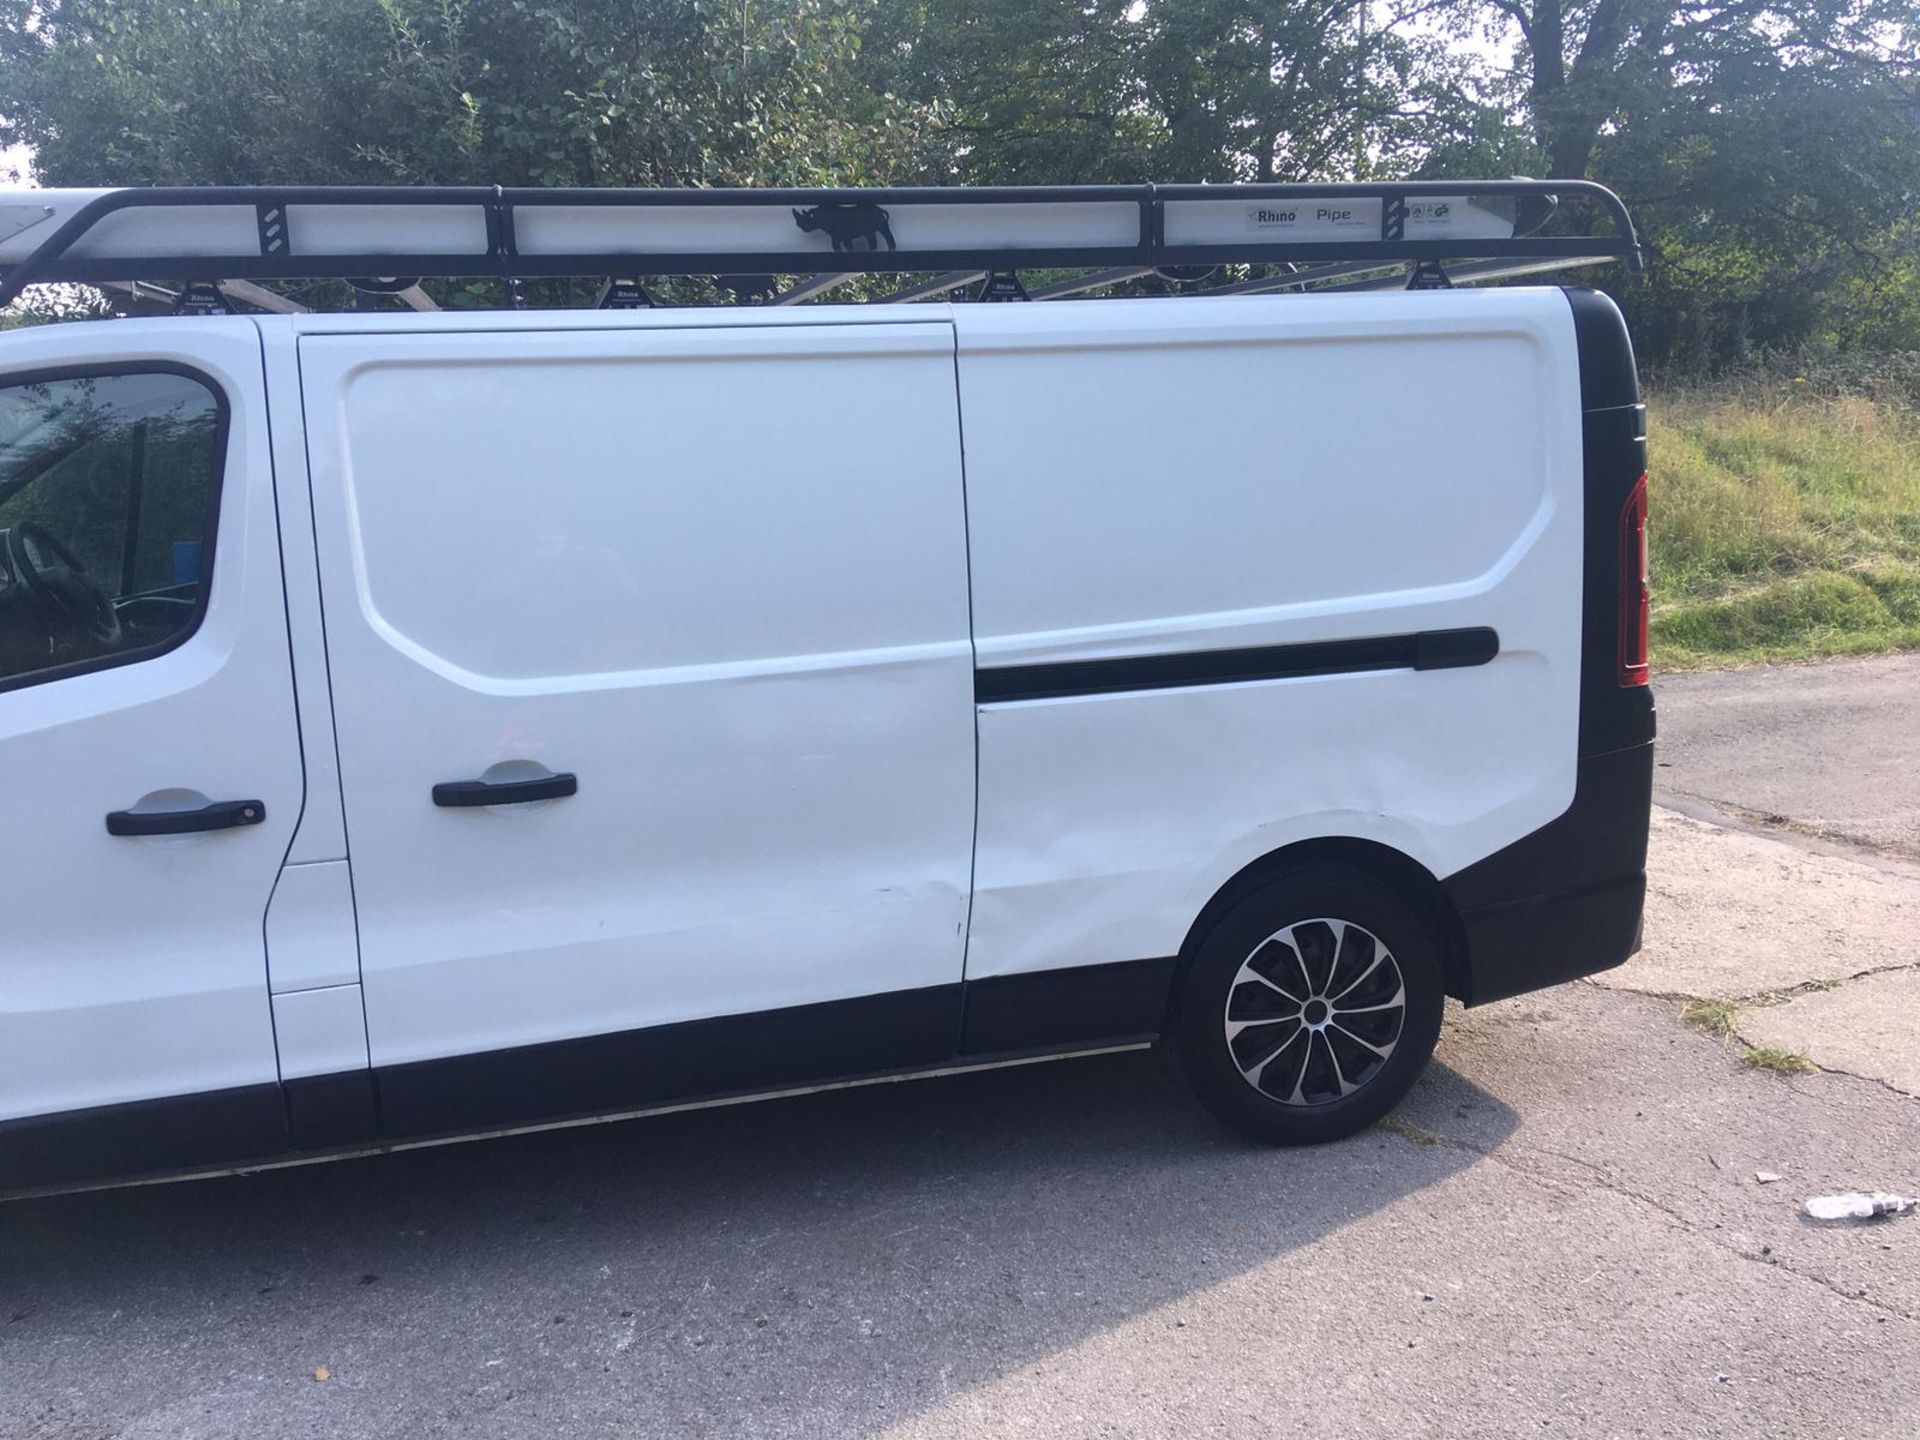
x: 653, y: 684
x: 151, y: 759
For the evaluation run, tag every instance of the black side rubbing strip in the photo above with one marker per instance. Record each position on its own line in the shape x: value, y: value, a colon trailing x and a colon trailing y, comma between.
x: 1426, y: 650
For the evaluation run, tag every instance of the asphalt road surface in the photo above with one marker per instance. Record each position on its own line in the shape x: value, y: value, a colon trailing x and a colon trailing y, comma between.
x: 1561, y: 1232
x: 1830, y: 750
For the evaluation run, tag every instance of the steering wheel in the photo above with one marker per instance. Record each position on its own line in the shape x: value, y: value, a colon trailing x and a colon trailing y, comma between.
x: 57, y: 583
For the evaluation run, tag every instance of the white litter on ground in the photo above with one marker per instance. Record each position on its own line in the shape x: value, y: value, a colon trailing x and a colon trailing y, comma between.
x: 1855, y: 1205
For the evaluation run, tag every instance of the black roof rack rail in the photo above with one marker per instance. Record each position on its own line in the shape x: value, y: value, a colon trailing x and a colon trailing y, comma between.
x: 248, y: 233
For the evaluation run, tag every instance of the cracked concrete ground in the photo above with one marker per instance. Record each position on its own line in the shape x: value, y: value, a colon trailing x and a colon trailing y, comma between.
x: 1559, y: 1232
x: 1793, y: 882
x: 1734, y: 915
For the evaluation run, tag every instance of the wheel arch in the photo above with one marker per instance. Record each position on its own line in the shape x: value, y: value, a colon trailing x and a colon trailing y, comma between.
x: 1405, y: 875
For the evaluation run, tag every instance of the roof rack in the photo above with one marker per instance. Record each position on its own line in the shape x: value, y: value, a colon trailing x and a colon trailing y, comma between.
x: 250, y: 234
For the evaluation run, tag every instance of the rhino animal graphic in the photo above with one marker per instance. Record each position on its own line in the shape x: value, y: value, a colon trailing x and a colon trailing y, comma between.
x: 845, y: 224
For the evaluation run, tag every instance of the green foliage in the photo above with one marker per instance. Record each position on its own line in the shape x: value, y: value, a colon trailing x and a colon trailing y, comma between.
x: 1778, y: 220
x: 190, y: 92
x: 546, y: 92
x: 1021, y: 91
x: 1771, y: 154
x: 1060, y: 91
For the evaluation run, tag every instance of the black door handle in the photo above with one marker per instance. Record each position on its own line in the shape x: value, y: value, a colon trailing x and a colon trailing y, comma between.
x: 459, y: 793
x: 216, y: 815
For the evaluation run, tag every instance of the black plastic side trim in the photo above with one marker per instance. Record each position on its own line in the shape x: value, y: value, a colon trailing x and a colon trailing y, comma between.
x: 1608, y: 376
x: 1427, y: 650
x: 331, y: 1112
x: 1614, y: 457
x: 1566, y: 900
x: 123, y: 1142
x: 1553, y: 939
x: 1051, y: 1008
x: 697, y: 1059
x: 735, y: 1055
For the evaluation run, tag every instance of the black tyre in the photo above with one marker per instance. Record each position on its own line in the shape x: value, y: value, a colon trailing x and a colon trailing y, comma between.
x: 1311, y: 1006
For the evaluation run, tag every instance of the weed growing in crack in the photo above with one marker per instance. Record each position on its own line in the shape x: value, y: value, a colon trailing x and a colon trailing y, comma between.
x: 1778, y: 1060
x: 1714, y: 1017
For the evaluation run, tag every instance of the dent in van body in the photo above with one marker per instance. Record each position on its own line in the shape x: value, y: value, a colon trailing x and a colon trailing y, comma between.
x: 1107, y: 823
x: 1368, y: 469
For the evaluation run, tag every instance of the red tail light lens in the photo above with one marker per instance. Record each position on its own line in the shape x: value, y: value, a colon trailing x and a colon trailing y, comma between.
x: 1636, y: 599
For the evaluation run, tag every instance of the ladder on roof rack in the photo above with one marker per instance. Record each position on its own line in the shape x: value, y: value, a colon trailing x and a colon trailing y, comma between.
x: 246, y: 233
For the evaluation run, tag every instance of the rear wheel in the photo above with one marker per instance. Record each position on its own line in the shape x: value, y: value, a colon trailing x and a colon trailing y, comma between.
x: 1311, y: 1006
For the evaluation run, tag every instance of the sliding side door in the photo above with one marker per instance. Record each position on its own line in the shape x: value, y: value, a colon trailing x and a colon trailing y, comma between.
x: 653, y: 681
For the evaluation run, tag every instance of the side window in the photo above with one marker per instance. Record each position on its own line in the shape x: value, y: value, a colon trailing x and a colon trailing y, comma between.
x: 109, y: 485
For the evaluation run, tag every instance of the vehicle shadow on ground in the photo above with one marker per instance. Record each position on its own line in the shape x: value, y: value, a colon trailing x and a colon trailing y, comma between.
x: 829, y: 1264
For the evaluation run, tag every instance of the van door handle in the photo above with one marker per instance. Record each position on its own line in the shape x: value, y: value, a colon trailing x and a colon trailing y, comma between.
x: 460, y: 793
x: 216, y: 815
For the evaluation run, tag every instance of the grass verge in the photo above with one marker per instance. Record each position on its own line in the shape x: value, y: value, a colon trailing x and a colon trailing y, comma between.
x: 1786, y: 523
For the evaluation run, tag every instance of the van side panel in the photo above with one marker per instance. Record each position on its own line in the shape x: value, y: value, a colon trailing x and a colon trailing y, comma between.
x: 1288, y: 528
x: 716, y: 574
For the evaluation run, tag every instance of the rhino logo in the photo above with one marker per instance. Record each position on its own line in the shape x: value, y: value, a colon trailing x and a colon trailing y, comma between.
x: 847, y: 223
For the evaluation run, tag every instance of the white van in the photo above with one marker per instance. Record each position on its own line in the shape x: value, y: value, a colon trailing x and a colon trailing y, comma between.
x: 419, y: 724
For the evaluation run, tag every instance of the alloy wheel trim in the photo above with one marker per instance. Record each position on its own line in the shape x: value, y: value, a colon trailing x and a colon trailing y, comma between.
x: 1314, y: 1012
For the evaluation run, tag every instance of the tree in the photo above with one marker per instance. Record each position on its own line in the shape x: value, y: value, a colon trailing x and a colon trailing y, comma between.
x: 590, y: 92
x: 1768, y: 149
x: 1017, y: 91
x: 1128, y: 90
x: 1596, y: 67
x: 186, y: 91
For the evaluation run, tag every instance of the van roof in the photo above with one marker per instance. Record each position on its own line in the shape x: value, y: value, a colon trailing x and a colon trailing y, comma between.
x: 227, y: 240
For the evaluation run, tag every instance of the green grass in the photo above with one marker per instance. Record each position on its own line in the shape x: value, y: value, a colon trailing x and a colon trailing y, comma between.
x: 1777, y: 1060
x: 1715, y: 1017
x: 1719, y: 1017
x: 1785, y: 523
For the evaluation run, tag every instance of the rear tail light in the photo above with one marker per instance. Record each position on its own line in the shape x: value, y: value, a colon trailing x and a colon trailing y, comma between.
x: 1636, y: 599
